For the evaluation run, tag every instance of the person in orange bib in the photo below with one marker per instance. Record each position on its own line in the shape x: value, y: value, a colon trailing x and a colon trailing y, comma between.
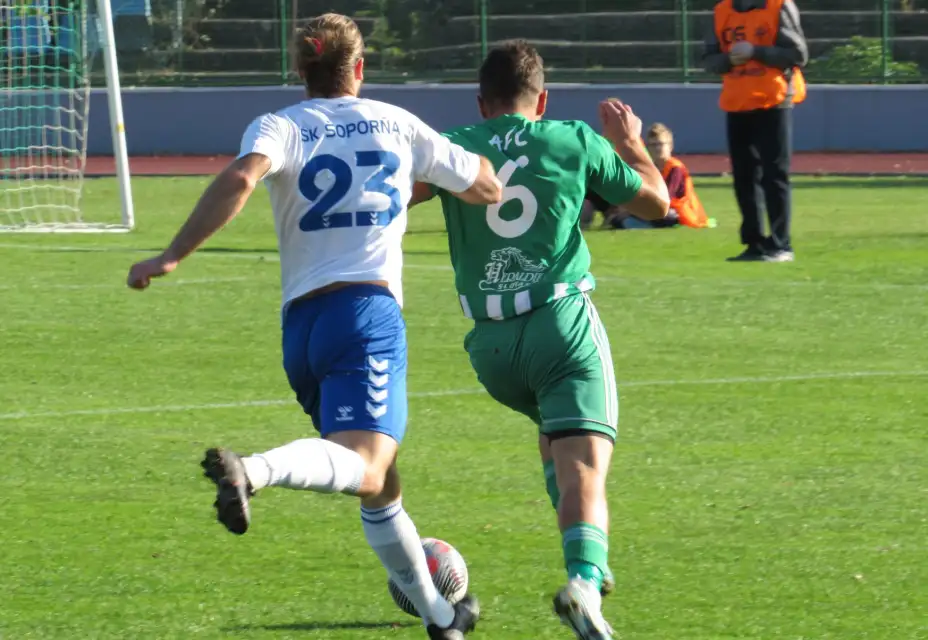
x: 684, y: 203
x: 759, y: 49
x: 685, y: 207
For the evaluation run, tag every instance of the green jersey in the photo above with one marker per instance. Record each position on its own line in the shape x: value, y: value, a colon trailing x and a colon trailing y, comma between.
x: 527, y: 251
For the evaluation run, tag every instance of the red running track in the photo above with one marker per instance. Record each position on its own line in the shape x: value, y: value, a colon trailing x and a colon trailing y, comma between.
x: 805, y: 163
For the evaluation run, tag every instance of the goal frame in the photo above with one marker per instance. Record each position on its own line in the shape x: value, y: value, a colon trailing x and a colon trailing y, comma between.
x: 118, y: 135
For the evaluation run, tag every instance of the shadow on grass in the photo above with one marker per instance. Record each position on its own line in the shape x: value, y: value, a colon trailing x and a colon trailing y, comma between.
x: 47, y: 248
x: 425, y: 252
x: 801, y: 182
x: 426, y: 232
x: 272, y: 250
x: 863, y: 182
x: 323, y: 626
x: 258, y: 253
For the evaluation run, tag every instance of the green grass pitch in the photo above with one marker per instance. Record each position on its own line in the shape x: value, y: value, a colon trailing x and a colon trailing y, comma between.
x: 771, y: 480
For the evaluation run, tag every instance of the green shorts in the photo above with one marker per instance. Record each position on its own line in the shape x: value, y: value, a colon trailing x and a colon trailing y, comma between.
x: 553, y: 365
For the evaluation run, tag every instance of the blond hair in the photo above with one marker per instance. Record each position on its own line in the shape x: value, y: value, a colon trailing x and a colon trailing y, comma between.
x: 659, y: 131
x: 327, y: 48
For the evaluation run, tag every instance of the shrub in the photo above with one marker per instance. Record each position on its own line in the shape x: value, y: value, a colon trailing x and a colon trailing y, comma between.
x: 861, y: 60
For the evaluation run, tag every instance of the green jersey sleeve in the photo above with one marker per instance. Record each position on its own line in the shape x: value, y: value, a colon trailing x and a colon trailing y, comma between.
x: 610, y: 177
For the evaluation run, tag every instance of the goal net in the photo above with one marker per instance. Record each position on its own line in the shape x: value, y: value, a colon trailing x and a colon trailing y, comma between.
x: 47, y: 50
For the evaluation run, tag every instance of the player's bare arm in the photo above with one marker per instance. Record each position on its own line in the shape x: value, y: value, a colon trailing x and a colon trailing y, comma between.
x: 421, y: 192
x: 487, y: 189
x: 623, y: 129
x: 221, y: 202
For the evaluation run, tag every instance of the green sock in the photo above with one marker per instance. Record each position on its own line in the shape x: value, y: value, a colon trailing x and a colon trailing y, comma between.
x: 551, y: 484
x: 586, y: 553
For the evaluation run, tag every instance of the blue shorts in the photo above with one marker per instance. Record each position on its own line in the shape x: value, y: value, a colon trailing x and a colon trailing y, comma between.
x: 345, y: 357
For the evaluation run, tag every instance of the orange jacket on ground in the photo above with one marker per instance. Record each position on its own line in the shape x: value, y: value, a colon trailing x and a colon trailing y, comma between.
x: 685, y: 202
x: 754, y: 85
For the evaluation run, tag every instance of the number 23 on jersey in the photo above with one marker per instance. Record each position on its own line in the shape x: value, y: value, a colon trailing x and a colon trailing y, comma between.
x: 321, y: 216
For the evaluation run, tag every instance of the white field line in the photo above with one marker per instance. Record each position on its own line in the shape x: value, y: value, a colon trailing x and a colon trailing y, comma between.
x: 181, y: 282
x: 90, y: 248
x: 802, y: 377
x: 821, y: 284
x: 848, y: 375
x: 722, y: 282
x: 202, y: 407
x: 273, y: 257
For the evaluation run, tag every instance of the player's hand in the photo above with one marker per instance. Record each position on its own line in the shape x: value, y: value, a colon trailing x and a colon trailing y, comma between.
x: 620, y: 124
x: 141, y: 273
x: 741, y: 53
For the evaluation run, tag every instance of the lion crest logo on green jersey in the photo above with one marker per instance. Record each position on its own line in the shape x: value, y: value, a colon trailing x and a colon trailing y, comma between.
x: 510, y: 270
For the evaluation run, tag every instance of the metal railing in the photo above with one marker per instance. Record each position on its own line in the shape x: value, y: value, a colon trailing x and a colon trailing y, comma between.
x: 202, y: 42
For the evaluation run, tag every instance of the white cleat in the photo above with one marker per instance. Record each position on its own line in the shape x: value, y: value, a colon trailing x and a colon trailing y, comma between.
x: 579, y: 605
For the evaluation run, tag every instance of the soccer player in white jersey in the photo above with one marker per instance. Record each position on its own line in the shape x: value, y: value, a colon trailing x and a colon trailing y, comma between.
x: 339, y: 170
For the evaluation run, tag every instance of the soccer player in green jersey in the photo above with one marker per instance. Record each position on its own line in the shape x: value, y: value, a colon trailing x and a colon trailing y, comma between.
x: 522, y: 273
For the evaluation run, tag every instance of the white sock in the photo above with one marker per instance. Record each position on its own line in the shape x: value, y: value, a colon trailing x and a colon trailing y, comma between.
x: 311, y: 464
x: 393, y: 537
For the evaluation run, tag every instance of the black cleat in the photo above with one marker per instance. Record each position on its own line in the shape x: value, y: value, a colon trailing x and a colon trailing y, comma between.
x: 226, y: 470
x: 751, y: 254
x: 466, y: 615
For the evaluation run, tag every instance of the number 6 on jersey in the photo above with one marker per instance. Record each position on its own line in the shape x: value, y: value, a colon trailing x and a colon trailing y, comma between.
x: 518, y: 226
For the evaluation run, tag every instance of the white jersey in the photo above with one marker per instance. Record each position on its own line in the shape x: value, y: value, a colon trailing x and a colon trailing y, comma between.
x: 342, y: 172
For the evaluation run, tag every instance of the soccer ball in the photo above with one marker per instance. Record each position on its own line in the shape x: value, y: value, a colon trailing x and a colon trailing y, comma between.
x: 449, y: 573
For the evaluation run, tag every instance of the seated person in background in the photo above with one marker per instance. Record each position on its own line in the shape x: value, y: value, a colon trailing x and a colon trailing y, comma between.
x: 685, y: 207
x: 592, y: 203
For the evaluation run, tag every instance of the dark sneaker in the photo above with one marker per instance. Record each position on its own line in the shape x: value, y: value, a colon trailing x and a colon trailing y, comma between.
x: 466, y: 615
x: 226, y: 469
x: 780, y: 256
x: 751, y: 254
x: 579, y: 606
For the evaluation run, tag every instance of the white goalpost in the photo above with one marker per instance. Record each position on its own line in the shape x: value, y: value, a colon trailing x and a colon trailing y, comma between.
x: 47, y: 49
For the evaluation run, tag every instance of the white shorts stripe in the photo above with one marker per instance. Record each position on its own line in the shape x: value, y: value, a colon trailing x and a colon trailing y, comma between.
x: 495, y: 307
x: 613, y: 384
x: 584, y: 285
x: 465, y: 307
x: 601, y: 340
x: 595, y: 335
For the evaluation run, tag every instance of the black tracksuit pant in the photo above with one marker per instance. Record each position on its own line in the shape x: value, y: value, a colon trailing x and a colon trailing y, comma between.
x: 760, y: 145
